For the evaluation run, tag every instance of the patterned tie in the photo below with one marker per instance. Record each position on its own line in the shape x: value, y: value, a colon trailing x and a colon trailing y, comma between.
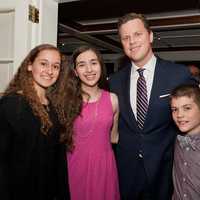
x: 142, y: 100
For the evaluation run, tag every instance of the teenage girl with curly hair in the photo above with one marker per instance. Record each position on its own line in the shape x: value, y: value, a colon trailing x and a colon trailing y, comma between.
x: 35, y: 129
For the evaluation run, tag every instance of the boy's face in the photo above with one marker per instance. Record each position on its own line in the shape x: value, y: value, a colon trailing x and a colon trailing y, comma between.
x: 186, y: 114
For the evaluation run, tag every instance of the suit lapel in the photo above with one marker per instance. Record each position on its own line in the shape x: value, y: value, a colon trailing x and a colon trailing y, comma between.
x: 125, y: 106
x: 155, y: 92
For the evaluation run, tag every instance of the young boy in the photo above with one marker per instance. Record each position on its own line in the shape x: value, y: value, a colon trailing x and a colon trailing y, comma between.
x: 185, y: 105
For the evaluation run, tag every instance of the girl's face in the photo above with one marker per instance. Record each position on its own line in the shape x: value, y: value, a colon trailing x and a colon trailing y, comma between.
x: 186, y: 114
x: 88, y: 69
x: 45, y: 69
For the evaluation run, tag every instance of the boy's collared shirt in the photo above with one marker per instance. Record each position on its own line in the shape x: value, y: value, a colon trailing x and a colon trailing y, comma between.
x: 186, y: 176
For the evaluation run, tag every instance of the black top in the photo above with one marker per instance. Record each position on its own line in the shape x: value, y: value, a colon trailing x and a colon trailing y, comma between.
x: 32, y: 165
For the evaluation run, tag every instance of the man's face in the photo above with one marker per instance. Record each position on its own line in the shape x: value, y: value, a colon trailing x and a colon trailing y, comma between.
x: 136, y: 41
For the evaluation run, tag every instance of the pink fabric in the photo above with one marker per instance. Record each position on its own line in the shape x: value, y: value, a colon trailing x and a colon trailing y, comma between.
x: 91, y: 166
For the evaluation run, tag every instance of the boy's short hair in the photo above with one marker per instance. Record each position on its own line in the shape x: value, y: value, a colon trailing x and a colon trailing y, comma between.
x: 187, y: 90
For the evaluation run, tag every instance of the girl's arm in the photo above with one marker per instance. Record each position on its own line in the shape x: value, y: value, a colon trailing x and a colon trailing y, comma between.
x: 114, y: 130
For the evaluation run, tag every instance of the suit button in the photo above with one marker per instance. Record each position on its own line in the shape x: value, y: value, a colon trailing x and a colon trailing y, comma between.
x: 140, y: 155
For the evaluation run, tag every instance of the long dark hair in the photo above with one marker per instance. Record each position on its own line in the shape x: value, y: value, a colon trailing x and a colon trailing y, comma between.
x: 71, y: 87
x: 68, y: 104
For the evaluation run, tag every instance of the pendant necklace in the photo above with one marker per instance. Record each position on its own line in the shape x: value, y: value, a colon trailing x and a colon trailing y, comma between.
x: 93, y: 119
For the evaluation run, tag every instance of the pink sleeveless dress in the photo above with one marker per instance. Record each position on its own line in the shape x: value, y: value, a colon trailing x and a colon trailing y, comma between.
x: 91, y: 166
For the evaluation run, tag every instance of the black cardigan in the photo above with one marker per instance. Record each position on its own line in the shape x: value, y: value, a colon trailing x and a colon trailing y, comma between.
x: 32, y: 165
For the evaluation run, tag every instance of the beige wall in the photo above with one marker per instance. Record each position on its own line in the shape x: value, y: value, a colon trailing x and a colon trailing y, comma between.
x: 18, y: 34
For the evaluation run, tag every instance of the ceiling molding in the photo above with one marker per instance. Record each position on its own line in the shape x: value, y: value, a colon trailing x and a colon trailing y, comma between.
x: 176, y: 25
x: 88, y: 38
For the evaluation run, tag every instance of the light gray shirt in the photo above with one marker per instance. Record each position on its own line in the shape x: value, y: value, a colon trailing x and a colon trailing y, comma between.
x: 186, y: 169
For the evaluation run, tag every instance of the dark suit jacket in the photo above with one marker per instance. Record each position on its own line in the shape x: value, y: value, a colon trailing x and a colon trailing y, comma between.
x: 155, y: 142
x: 32, y: 165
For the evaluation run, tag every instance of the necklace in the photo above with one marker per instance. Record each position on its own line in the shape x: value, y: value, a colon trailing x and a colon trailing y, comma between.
x: 91, y: 120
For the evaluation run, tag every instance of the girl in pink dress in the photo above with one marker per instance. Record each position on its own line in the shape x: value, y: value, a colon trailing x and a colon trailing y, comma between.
x: 91, y: 163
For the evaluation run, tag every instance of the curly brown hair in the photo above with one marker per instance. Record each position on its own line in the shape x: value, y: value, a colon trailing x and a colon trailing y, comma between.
x: 67, y: 100
x: 22, y: 83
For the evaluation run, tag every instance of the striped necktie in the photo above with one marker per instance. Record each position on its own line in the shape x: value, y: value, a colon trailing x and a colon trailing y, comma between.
x: 142, y: 100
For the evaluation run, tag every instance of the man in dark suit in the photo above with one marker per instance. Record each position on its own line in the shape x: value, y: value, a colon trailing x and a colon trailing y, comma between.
x: 145, y: 154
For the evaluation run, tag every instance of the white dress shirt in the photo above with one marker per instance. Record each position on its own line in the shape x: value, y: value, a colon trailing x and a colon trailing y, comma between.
x: 148, y: 74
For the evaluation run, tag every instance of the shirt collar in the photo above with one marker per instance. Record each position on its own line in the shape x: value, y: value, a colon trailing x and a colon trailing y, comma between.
x: 188, y: 140
x: 149, y: 66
